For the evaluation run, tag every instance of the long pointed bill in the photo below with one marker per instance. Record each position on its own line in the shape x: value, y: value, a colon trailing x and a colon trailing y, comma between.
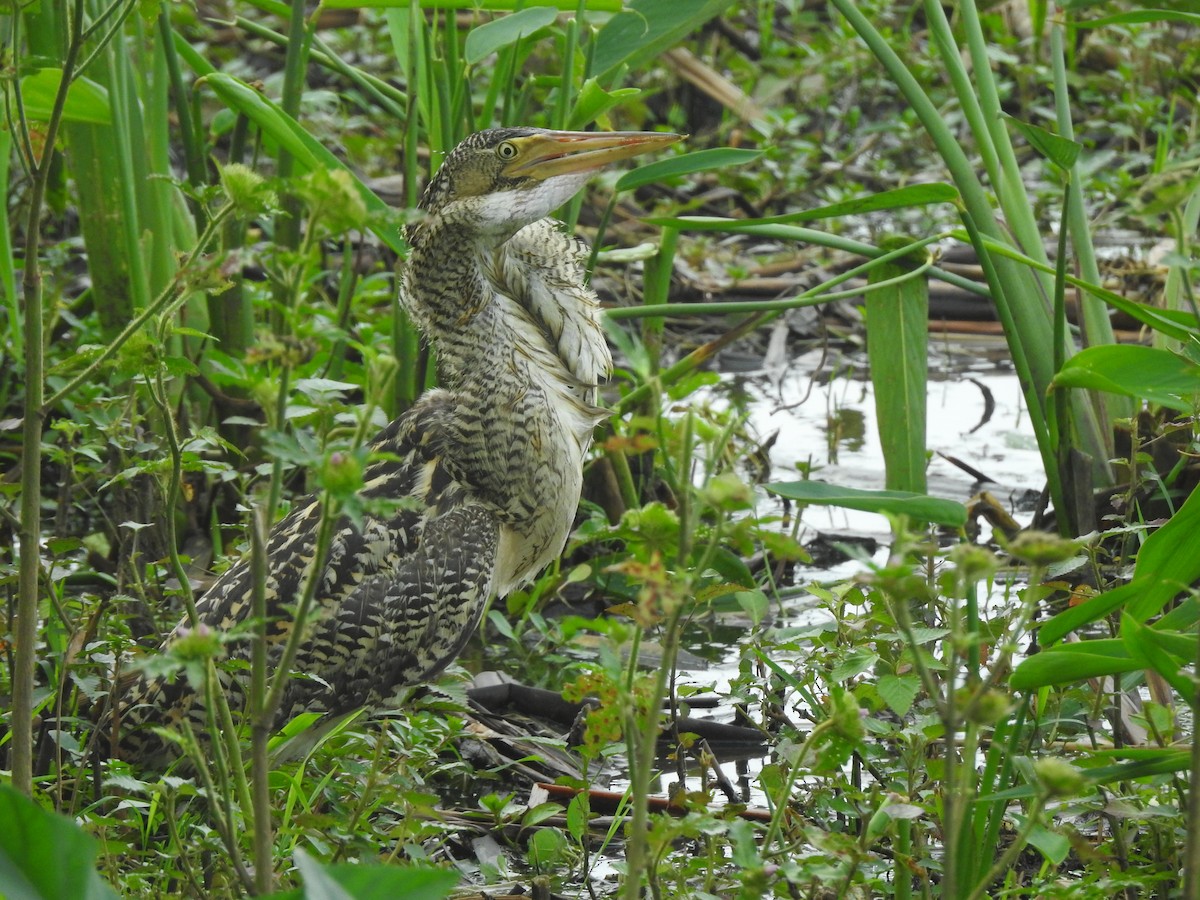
x: 563, y: 152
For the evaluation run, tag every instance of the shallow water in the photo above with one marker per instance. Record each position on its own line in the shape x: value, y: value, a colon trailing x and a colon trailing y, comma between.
x: 833, y: 432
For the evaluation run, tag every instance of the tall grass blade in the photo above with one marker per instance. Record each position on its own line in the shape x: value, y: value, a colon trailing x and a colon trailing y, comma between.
x: 898, y: 352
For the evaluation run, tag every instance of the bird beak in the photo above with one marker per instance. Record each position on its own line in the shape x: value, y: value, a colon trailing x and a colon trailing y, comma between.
x: 553, y: 153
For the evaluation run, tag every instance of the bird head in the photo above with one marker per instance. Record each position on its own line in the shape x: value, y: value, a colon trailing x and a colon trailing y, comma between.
x: 498, y: 181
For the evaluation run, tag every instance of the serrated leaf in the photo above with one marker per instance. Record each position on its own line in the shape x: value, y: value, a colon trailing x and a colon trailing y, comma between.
x: 898, y: 692
x: 852, y: 664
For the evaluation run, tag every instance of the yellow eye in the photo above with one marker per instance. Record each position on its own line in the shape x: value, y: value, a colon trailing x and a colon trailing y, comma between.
x: 506, y: 150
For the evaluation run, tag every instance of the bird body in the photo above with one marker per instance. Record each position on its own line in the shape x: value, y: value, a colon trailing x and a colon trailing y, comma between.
x: 480, y: 479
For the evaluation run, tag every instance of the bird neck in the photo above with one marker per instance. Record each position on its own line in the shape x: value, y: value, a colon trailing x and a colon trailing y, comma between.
x: 442, y: 287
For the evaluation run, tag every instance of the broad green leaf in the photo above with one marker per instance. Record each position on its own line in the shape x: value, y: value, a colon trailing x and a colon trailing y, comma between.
x: 86, y: 101
x: 853, y: 663
x: 898, y: 692
x: 1052, y: 845
x: 1059, y: 150
x: 647, y: 28
x: 898, y: 350
x: 686, y: 164
x: 755, y: 604
x: 489, y: 37
x: 308, y: 152
x: 1135, y: 371
x: 1167, y: 563
x: 1145, y: 646
x: 900, y: 198
x: 349, y: 881
x: 45, y: 856
x: 318, y: 883
x: 1057, y: 666
x: 577, y: 815
x: 917, y: 506
x: 593, y: 101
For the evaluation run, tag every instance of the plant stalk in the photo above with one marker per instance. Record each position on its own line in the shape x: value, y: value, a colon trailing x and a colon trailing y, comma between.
x: 28, y: 579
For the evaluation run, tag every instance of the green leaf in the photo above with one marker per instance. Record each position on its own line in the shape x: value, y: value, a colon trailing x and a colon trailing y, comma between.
x: 898, y: 692
x: 1152, y: 653
x: 86, y: 101
x: 309, y: 153
x: 1061, y: 666
x: 1168, y: 562
x: 45, y: 856
x: 1146, y: 372
x: 593, y: 101
x: 686, y: 164
x: 647, y: 28
x: 349, y: 881
x: 853, y: 663
x: 1140, y: 17
x: 755, y: 604
x: 917, y: 506
x: 900, y: 198
x: 577, y: 816
x: 1059, y: 150
x: 898, y: 352
x: 489, y: 37
x: 1053, y: 846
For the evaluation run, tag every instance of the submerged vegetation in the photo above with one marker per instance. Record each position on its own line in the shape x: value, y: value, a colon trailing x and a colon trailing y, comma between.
x: 204, y: 212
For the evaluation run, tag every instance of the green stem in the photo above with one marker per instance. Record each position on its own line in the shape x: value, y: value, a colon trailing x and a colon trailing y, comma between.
x: 260, y: 725
x: 28, y: 579
x: 1010, y: 854
x: 287, y: 228
x: 1191, y: 856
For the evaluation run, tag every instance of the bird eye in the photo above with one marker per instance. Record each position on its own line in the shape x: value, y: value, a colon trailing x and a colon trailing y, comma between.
x: 506, y: 150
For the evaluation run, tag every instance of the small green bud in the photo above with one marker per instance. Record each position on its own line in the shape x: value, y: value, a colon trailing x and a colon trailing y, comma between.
x: 1040, y: 549
x: 246, y: 189
x: 196, y: 644
x: 991, y: 708
x: 846, y: 715
x: 333, y: 200
x: 342, y: 473
x: 1058, y: 777
x: 727, y: 491
x: 974, y: 563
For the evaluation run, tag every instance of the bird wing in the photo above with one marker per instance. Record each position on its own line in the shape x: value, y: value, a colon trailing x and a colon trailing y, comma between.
x: 401, y: 590
x: 404, y: 626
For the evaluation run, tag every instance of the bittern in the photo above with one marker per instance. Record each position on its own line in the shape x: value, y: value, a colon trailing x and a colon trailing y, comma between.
x: 487, y: 467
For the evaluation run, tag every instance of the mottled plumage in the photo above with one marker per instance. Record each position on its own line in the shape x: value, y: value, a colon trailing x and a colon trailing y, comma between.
x: 485, y: 471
